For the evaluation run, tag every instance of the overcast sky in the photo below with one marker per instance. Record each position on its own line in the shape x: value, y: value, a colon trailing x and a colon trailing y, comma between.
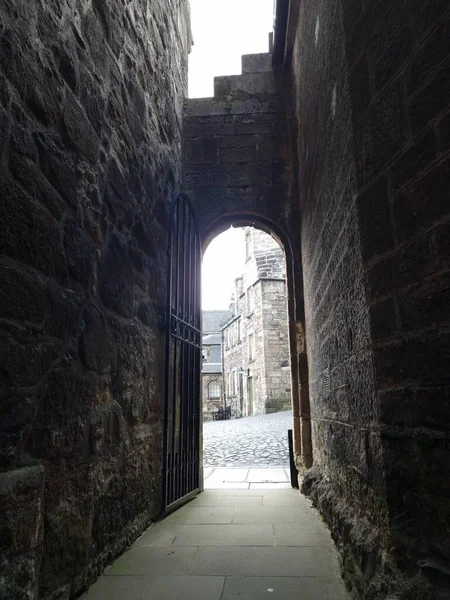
x: 223, y: 31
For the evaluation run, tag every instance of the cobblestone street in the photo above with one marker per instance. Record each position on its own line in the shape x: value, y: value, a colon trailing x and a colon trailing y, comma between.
x: 261, y: 440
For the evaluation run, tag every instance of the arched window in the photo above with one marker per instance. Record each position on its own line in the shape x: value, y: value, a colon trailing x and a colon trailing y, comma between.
x: 214, y: 389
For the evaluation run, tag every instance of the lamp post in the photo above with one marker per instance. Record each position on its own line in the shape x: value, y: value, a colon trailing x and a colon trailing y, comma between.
x: 241, y: 372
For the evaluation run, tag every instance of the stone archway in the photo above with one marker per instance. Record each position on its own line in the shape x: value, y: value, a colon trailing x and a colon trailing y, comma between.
x: 238, y: 169
x: 298, y: 359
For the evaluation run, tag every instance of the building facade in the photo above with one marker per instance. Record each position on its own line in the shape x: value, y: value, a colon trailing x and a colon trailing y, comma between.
x: 212, y: 375
x: 256, y: 346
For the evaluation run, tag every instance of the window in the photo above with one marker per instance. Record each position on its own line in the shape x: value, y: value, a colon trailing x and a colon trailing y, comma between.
x: 227, y: 338
x: 214, y: 389
x: 228, y: 384
x: 233, y: 335
x: 239, y: 331
x: 251, y: 347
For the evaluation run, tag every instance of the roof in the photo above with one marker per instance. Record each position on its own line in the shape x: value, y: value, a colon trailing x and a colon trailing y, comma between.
x: 213, y: 320
x: 213, y: 339
x: 211, y: 367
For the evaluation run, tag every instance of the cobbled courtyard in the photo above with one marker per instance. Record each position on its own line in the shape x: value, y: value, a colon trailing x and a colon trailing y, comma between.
x: 261, y: 440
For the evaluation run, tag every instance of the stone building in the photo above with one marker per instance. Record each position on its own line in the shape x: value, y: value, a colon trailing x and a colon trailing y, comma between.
x: 336, y: 141
x: 256, y: 347
x: 212, y: 374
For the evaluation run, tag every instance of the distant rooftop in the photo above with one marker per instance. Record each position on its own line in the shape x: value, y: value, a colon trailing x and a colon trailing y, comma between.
x: 211, y: 367
x: 214, y: 320
x: 212, y: 339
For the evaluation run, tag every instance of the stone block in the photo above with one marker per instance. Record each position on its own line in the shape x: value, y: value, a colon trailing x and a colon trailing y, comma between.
x: 57, y: 165
x: 95, y: 342
x: 80, y: 252
x: 416, y: 407
x: 428, y: 57
x: 412, y: 162
x: 117, y: 282
x: 426, y: 16
x: 370, y: 20
x: 239, y: 155
x: 30, y: 177
x: 27, y: 233
x: 406, y: 266
x: 423, y: 360
x: 374, y: 219
x: 442, y: 245
x: 249, y: 174
x: 383, y: 319
x: 79, y: 130
x: 427, y: 105
x: 444, y: 133
x: 426, y: 304
x: 422, y: 205
x: 22, y: 295
x: 359, y: 86
x: 381, y: 136
x: 21, y: 506
x: 256, y: 63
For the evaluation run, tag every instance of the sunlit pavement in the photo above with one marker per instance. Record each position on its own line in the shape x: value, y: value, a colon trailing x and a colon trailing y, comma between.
x: 246, y: 478
x: 261, y: 440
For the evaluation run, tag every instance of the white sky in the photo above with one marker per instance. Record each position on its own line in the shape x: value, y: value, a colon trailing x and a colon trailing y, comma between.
x: 224, y: 30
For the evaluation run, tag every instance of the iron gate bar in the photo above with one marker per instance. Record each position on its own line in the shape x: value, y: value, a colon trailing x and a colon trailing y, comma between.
x: 181, y: 459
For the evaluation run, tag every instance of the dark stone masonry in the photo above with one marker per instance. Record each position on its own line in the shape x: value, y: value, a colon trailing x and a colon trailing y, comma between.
x: 337, y: 142
x: 91, y: 101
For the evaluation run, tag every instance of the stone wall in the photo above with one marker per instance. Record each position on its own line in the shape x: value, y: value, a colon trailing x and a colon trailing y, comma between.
x: 277, y: 392
x: 238, y: 169
x: 91, y: 97
x: 371, y: 86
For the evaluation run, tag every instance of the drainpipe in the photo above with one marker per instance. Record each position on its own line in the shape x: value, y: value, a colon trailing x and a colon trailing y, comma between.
x: 305, y: 415
x: 224, y: 393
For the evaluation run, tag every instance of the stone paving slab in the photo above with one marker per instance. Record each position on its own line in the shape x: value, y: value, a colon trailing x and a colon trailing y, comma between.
x: 235, y: 478
x: 279, y: 550
x: 234, y: 500
x: 202, y: 515
x: 154, y: 561
x: 230, y: 535
x: 158, y: 587
x: 251, y: 561
x: 282, y: 588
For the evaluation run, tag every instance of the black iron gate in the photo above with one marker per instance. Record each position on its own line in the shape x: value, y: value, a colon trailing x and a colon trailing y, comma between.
x: 181, y: 473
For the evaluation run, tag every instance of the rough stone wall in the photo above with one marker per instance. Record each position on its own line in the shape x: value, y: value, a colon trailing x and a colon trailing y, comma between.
x: 91, y: 98
x: 371, y: 85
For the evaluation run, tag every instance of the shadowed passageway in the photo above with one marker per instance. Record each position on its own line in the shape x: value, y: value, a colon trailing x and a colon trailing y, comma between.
x: 230, y: 545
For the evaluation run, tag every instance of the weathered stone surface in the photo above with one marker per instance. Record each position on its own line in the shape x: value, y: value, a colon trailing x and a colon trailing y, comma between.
x: 21, y: 529
x: 90, y: 97
x: 371, y: 106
